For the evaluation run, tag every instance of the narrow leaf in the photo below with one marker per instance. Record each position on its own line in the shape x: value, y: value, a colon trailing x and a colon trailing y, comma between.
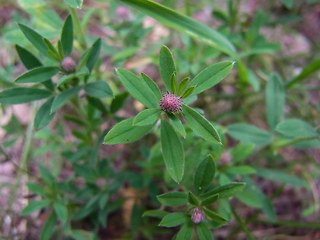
x: 173, y: 83
x: 185, y: 232
x: 211, y: 76
x: 137, y: 88
x: 67, y: 36
x: 27, y: 58
x: 152, y: 85
x: 173, y: 152
x: 296, y: 128
x: 249, y: 134
x: 93, y: 54
x: 61, y: 211
x: 173, y: 199
x: 204, y: 174
x: 48, y: 227
x: 34, y: 206
x: 203, y: 232
x: 35, y: 38
x: 209, y: 200
x: 177, y: 124
x: 183, y: 85
x: 44, y: 115
x: 275, y: 100
x: 188, y: 92
x: 226, y: 191
x: 125, y: 132
x: 155, y: 213
x: 63, y: 98
x: 167, y: 66
x: 74, y: 3
x: 241, y: 170
x: 200, y: 125
x: 147, y: 117
x: 22, y: 95
x: 183, y: 23
x: 37, y: 75
x: 98, y: 89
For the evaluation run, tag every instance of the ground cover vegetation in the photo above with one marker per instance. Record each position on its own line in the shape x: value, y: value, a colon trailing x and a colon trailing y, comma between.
x: 139, y: 119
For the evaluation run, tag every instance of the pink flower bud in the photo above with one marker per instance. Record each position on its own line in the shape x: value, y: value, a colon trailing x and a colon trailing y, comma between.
x: 68, y: 64
x: 170, y: 103
x: 122, y: 12
x: 197, y: 215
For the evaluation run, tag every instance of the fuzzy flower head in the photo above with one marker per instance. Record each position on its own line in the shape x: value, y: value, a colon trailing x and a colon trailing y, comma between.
x: 197, y: 215
x: 170, y: 103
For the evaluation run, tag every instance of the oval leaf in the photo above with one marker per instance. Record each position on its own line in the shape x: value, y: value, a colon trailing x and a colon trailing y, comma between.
x: 173, y: 219
x: 125, y: 132
x: 63, y: 98
x: 200, y: 125
x: 173, y: 152
x: 152, y: 85
x: 204, y: 174
x: 167, y: 67
x: 147, y: 117
x: 173, y: 199
x: 203, y: 232
x: 34, y: 206
x: 296, y: 128
x: 98, y: 89
x: 211, y: 76
x: 137, y: 88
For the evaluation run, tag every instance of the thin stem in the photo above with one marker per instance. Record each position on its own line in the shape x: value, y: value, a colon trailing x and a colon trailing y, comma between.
x: 242, y: 224
x: 78, y: 28
x: 23, y: 164
x: 291, y: 224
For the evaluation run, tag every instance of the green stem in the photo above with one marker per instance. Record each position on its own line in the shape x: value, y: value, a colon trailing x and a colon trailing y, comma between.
x: 242, y: 224
x: 294, y: 141
x: 291, y: 224
x: 188, y: 8
x: 78, y: 28
x: 23, y: 164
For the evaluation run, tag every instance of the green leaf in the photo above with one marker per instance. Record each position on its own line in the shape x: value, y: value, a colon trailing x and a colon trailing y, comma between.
x: 200, y: 125
x: 280, y: 176
x: 242, y: 152
x: 118, y: 101
x: 203, y: 232
x: 63, y: 98
x: 173, y: 199
x: 250, y: 198
x: 204, y: 174
x: 37, y: 74
x: 36, y: 188
x: 185, y: 232
x: 98, y: 89
x: 215, y: 217
x: 241, y: 170
x: 173, y: 83
x: 125, y: 132
x: 46, y: 175
x: 177, y: 124
x: 211, y: 76
x: 34, y: 206
x: 183, y: 85
x: 27, y: 58
x: 48, y: 227
x: 209, y: 200
x: 97, y: 103
x: 249, y: 134
x: 147, y: 117
x: 44, y: 115
x: 22, y: 95
x: 93, y: 54
x: 226, y: 191
x: 275, y: 100
x: 167, y: 67
x: 81, y: 235
x: 184, y: 24
x: 74, y: 3
x: 188, y: 92
x: 35, y: 38
x: 155, y: 213
x: 296, y: 128
x: 173, y: 152
x: 61, y: 211
x: 288, y: 3
x: 306, y: 72
x: 173, y: 219
x: 152, y: 85
x: 193, y: 199
x: 67, y: 36
x: 137, y: 88
x: 53, y: 53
